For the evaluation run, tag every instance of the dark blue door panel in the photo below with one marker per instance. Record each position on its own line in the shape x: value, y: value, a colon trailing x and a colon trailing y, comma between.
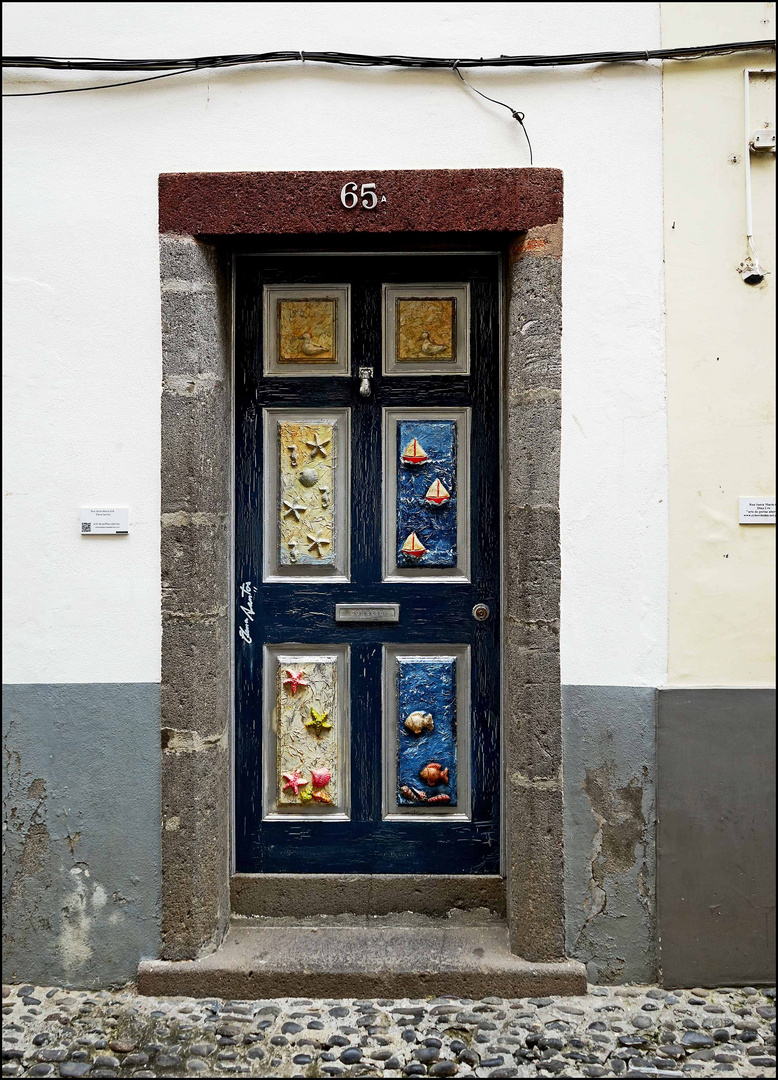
x: 374, y: 839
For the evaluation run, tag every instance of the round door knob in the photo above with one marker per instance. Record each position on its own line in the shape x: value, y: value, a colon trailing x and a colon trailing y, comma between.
x: 480, y: 612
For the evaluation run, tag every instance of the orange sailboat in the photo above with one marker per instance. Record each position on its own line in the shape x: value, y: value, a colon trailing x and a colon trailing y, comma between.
x: 437, y: 494
x: 414, y: 454
x: 413, y: 546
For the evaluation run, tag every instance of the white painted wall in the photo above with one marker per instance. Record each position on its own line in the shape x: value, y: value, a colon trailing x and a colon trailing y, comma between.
x: 82, y: 334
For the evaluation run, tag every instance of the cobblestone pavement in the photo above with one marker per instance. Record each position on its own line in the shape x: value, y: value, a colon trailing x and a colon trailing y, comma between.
x: 615, y: 1031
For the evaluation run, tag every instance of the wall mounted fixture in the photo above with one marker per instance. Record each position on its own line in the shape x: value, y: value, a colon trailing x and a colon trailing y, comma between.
x: 750, y: 270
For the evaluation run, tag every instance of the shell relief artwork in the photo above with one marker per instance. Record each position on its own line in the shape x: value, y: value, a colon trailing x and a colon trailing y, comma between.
x: 427, y: 731
x: 307, y: 732
x: 307, y: 471
x: 426, y: 493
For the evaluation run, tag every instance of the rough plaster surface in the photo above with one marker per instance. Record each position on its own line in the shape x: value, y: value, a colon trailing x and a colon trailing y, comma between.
x: 610, y: 817
x: 720, y: 344
x: 716, y: 813
x: 82, y: 331
x: 81, y: 902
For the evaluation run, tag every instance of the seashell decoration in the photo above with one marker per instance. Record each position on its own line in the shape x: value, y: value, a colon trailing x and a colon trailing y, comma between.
x: 433, y: 774
x: 308, y: 477
x: 417, y: 722
x: 412, y: 794
x: 439, y: 799
x: 320, y: 777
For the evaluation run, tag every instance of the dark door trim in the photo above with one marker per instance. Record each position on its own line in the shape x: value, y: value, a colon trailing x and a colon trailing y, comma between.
x: 202, y: 216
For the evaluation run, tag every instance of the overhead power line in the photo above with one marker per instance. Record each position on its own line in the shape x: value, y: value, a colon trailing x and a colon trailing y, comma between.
x: 170, y: 67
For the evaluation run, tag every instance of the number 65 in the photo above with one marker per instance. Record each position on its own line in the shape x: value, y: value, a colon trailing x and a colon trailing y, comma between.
x: 349, y: 197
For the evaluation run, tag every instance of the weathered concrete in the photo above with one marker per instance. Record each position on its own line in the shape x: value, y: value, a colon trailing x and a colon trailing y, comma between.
x: 417, y: 200
x: 196, y: 419
x: 716, y: 799
x: 610, y: 844
x: 367, y: 958
x: 81, y: 847
x: 365, y: 894
x: 533, y: 716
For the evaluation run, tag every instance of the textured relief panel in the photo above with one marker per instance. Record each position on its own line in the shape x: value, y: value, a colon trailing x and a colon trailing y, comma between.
x: 426, y: 493
x: 307, y: 331
x: 426, y: 329
x: 426, y: 731
x: 307, y: 531
x: 307, y: 731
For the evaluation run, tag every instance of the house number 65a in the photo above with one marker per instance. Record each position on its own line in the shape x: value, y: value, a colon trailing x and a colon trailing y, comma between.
x: 367, y: 195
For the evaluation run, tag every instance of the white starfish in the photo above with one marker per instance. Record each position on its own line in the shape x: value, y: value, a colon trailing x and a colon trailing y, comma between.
x: 317, y: 542
x: 296, y: 509
x: 316, y: 446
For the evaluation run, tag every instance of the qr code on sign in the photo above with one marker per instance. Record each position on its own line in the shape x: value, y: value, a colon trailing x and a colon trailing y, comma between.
x: 86, y: 526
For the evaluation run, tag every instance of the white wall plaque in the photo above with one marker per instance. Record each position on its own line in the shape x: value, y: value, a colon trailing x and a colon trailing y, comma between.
x: 757, y: 511
x: 104, y: 522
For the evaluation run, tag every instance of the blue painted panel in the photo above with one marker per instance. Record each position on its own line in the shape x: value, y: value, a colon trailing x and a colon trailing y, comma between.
x: 434, y: 525
x: 428, y: 687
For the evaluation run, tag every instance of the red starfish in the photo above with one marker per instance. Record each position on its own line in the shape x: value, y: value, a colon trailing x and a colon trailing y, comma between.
x: 296, y: 678
x: 294, y: 780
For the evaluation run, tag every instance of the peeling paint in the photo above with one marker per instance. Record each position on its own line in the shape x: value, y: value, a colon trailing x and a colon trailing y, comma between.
x: 182, y: 741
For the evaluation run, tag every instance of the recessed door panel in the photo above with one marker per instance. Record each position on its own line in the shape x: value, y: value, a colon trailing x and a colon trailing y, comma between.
x: 367, y: 689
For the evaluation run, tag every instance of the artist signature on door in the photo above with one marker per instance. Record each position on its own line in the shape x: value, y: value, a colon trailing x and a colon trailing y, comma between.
x: 247, y: 591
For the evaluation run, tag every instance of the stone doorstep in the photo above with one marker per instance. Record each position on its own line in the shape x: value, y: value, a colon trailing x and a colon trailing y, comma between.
x: 391, y: 961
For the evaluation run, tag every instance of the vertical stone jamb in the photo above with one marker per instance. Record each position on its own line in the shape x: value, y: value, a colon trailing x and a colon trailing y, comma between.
x: 533, y: 707
x: 195, y: 550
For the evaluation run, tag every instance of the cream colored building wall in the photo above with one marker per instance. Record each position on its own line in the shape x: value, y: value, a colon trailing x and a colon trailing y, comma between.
x: 720, y: 352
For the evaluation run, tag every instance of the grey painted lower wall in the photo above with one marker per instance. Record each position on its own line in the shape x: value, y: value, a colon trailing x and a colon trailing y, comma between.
x: 81, y: 816
x: 81, y: 832
x: 716, y: 800
x: 610, y: 851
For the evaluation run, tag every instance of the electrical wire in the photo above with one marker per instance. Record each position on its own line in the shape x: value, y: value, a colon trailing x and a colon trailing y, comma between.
x: 176, y: 66
x: 517, y: 116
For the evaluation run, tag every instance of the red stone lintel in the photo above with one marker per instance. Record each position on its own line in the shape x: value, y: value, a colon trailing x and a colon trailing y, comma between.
x: 423, y: 200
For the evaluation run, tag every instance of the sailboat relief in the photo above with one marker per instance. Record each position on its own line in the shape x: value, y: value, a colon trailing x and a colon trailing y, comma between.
x: 426, y: 493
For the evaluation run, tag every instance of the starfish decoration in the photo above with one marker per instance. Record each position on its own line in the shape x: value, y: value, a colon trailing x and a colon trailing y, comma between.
x: 294, y: 780
x: 295, y: 679
x: 318, y: 722
x: 318, y: 543
x: 316, y: 446
x: 295, y: 509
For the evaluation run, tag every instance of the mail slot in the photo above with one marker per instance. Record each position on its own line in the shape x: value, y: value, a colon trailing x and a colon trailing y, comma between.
x: 367, y: 613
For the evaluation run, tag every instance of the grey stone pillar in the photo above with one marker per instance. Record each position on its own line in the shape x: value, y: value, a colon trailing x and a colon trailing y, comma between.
x: 533, y: 708
x: 195, y: 553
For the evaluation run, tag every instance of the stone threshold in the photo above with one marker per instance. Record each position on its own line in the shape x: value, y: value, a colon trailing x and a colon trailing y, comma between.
x: 363, y: 956
x: 276, y: 895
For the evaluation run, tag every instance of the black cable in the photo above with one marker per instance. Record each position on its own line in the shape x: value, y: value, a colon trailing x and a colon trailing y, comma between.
x: 102, y: 86
x: 517, y: 116
x: 172, y: 66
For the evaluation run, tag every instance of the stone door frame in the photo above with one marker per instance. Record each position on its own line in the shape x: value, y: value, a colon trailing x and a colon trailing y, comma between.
x: 204, y: 217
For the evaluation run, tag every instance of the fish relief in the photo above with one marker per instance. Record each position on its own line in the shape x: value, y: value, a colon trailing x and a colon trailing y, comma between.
x: 414, y: 454
x: 434, y: 774
x: 418, y: 722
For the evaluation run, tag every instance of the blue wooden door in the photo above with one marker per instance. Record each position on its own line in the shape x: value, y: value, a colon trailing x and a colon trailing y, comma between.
x: 367, y: 693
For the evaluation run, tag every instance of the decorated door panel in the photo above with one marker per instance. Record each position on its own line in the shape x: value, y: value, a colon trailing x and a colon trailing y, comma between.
x: 367, y: 563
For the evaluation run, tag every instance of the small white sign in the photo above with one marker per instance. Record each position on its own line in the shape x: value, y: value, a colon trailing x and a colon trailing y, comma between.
x: 757, y: 511
x: 104, y: 522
